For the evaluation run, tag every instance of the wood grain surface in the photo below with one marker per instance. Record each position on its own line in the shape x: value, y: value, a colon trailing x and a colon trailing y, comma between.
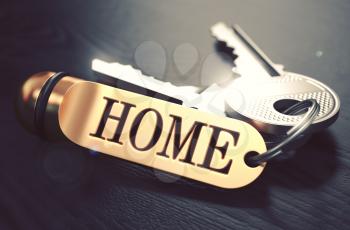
x: 45, y: 185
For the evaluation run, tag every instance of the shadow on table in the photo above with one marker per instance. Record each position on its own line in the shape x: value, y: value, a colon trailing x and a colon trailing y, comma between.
x: 311, y: 167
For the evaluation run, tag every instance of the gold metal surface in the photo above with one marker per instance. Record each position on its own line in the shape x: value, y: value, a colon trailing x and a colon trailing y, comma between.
x: 216, y: 160
x: 28, y: 95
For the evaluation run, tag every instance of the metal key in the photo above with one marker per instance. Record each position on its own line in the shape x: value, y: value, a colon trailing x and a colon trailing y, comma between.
x: 213, y: 99
x: 187, y: 95
x: 264, y: 89
x: 115, y: 74
x: 251, y: 98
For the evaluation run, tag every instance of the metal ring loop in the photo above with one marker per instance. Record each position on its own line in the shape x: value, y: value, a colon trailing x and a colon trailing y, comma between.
x: 293, y: 133
x: 43, y: 99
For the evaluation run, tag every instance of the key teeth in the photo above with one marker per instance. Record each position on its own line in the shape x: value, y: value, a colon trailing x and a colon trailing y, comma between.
x: 117, y: 70
x: 220, y: 37
x: 222, y: 32
x: 129, y: 68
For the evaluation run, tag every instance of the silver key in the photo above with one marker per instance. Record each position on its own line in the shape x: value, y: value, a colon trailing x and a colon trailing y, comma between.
x: 264, y: 89
x: 189, y: 96
x: 247, y: 97
x: 210, y: 100
x: 186, y: 94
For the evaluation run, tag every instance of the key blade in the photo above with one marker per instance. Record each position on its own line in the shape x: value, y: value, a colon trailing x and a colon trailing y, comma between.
x: 187, y: 94
x: 256, y: 50
x: 251, y: 60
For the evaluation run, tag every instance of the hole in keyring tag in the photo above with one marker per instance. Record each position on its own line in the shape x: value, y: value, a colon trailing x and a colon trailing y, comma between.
x: 247, y: 156
x: 283, y: 104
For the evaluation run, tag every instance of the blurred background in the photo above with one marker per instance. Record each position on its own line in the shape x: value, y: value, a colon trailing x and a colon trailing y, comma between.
x: 47, y: 185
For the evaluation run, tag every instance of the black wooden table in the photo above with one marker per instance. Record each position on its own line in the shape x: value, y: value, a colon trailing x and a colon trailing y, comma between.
x: 45, y: 185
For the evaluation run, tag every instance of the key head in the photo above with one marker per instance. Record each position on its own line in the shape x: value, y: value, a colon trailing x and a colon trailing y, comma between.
x: 262, y: 102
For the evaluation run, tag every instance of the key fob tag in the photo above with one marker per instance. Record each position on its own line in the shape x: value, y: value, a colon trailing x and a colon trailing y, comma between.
x: 160, y: 134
